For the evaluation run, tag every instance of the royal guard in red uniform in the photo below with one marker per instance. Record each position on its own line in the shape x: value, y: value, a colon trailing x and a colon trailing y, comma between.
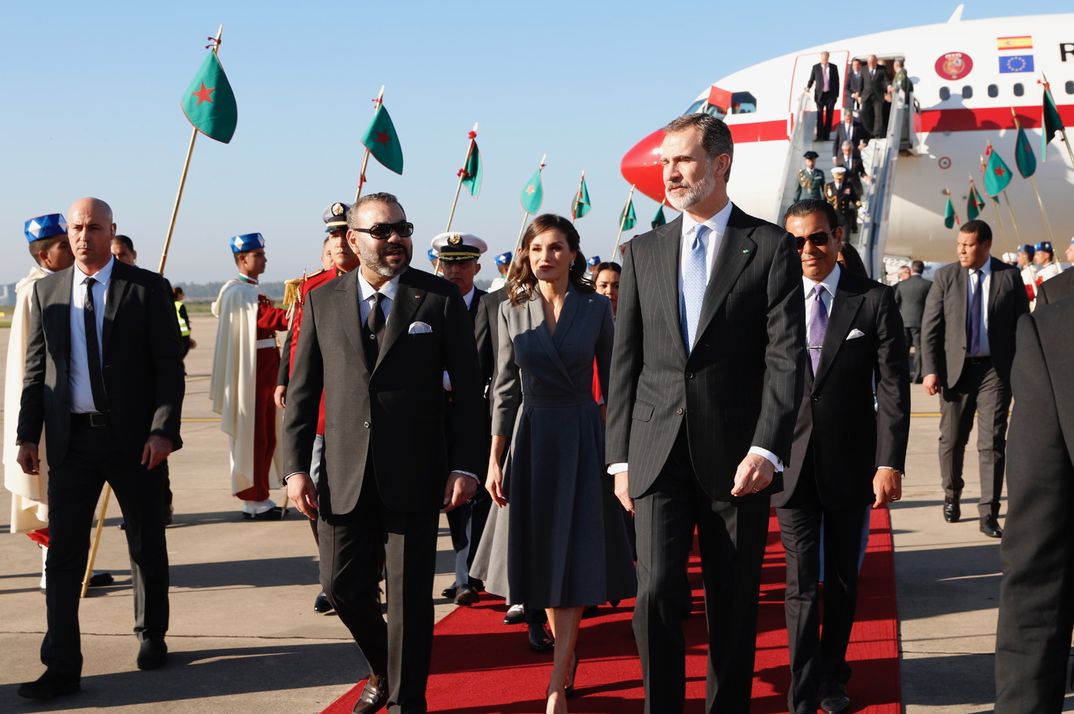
x: 245, y: 365
x: 343, y: 260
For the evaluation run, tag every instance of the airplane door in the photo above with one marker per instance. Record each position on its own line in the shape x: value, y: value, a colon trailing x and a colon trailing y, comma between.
x: 803, y: 66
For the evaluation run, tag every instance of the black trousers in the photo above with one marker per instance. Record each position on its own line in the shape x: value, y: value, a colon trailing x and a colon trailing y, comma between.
x: 872, y: 115
x: 825, y: 108
x: 732, y: 538
x: 354, y: 549
x: 819, y: 657
x: 95, y: 456
x: 913, y: 339
x: 979, y: 389
x: 466, y: 524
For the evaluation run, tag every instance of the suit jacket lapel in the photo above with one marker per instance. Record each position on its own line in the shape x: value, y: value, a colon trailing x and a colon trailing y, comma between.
x: 845, y: 306
x: 407, y: 300
x: 117, y: 290
x: 962, y: 291
x: 346, y: 294
x: 667, y: 252
x: 993, y: 286
x: 535, y: 307
x: 735, y: 253
x: 56, y: 314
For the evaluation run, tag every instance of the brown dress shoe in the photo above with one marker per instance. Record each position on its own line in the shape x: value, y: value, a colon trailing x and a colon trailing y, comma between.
x: 374, y: 695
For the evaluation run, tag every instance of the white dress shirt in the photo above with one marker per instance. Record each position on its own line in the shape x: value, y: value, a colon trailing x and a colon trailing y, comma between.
x: 830, y: 283
x: 717, y: 225
x: 78, y: 375
x: 986, y: 281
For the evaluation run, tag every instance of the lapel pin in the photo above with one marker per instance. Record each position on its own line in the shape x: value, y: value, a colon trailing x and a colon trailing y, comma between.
x: 745, y: 251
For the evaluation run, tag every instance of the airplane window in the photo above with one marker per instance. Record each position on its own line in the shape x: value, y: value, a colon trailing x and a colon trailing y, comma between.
x: 743, y: 103
x: 695, y: 107
x: 993, y: 91
x: 1070, y: 87
x: 967, y: 92
x: 1019, y: 90
x: 945, y: 94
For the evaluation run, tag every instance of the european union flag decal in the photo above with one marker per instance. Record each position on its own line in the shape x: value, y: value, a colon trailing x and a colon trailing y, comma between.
x: 1015, y: 63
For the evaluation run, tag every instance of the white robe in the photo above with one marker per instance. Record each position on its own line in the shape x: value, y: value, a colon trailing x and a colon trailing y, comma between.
x: 29, y: 494
x: 232, y: 386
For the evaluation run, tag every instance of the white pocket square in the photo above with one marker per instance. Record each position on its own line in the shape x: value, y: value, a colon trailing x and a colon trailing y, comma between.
x: 419, y: 328
x: 855, y: 334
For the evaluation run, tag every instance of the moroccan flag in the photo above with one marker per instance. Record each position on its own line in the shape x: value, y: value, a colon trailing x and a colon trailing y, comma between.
x: 974, y: 204
x: 471, y: 173
x: 581, y: 205
x: 628, y: 219
x: 659, y: 219
x: 949, y: 217
x: 533, y: 193
x: 997, y: 174
x: 209, y: 103
x: 1023, y: 154
x: 1052, y: 124
x: 382, y: 141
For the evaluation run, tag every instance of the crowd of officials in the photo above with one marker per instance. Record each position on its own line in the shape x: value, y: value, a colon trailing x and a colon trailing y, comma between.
x: 578, y: 424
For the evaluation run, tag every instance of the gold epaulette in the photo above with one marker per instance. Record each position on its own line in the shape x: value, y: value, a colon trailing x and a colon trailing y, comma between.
x: 290, y: 291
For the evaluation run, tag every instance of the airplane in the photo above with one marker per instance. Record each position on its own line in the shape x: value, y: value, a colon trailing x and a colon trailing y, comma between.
x: 966, y: 75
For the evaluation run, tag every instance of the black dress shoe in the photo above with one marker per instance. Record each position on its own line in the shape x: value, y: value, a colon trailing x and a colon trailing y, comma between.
x: 466, y: 595
x: 834, y: 699
x: 373, y: 697
x: 49, y: 686
x: 951, y: 510
x: 541, y: 639
x: 449, y: 592
x: 99, y: 580
x: 990, y: 527
x: 321, y: 605
x: 152, y: 654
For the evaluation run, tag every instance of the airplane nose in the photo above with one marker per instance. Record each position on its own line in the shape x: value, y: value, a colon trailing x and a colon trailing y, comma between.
x: 641, y: 166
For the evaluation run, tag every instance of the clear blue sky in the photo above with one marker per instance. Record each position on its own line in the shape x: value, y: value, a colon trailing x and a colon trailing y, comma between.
x: 92, y: 95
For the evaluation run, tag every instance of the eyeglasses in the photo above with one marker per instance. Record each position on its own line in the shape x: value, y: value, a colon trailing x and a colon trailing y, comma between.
x: 384, y: 231
x: 818, y: 239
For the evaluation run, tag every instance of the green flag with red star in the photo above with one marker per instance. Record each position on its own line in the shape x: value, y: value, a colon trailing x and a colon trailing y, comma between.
x: 997, y: 174
x: 1023, y: 154
x: 1051, y: 122
x: 533, y: 193
x: 659, y: 219
x: 949, y: 217
x: 209, y: 103
x: 383, y: 142
x: 471, y: 173
x: 974, y: 203
x: 628, y: 219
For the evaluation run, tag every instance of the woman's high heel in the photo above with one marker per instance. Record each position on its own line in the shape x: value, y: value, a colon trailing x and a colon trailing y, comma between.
x: 569, y: 688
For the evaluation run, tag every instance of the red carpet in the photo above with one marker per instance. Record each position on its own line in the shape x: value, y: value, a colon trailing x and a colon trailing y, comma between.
x: 482, y: 666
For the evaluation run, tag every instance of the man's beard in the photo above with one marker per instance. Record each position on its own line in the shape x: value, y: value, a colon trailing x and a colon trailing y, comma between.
x: 372, y: 260
x: 694, y: 194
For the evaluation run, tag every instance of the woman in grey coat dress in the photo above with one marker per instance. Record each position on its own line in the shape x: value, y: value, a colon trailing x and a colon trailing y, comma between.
x: 567, y: 545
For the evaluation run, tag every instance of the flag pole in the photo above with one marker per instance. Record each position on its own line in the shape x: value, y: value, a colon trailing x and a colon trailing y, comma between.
x: 160, y: 269
x: 1010, y: 210
x: 462, y: 176
x: 182, y: 180
x: 1063, y: 133
x: 522, y: 228
x: 365, y: 159
x: 1036, y: 189
x: 622, y: 220
x: 577, y: 196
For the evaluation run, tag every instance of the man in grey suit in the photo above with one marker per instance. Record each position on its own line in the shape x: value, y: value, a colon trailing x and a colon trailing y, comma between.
x: 846, y: 454
x: 706, y: 378
x: 104, y: 380
x: 910, y: 295
x: 874, y: 82
x: 394, y: 453
x: 968, y: 338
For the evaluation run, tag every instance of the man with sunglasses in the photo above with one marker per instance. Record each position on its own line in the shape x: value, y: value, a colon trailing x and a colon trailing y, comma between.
x: 845, y: 454
x: 394, y: 454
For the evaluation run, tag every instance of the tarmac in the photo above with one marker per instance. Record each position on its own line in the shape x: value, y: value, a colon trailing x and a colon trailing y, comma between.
x: 244, y: 637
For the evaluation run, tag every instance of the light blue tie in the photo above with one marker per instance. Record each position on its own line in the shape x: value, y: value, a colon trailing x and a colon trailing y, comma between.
x: 693, y: 287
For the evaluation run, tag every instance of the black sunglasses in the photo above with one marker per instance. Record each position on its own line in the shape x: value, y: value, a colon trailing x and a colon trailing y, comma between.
x: 384, y: 231
x: 818, y: 239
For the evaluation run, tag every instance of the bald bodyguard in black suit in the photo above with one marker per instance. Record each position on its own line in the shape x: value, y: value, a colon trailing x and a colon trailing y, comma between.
x: 705, y: 382
x: 846, y: 454
x: 383, y: 336
x: 1036, y: 610
x: 104, y: 380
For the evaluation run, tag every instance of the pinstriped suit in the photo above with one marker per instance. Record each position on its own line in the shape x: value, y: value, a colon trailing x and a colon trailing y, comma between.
x: 684, y: 422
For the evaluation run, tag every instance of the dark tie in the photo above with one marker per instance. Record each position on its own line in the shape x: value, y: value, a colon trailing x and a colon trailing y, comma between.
x: 973, y: 317
x: 373, y: 331
x: 93, y: 353
x: 818, y: 326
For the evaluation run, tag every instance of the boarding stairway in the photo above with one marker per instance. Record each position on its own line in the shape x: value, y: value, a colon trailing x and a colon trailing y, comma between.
x: 880, y: 159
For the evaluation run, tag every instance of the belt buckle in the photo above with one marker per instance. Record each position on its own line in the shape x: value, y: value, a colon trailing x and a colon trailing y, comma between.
x: 98, y: 420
